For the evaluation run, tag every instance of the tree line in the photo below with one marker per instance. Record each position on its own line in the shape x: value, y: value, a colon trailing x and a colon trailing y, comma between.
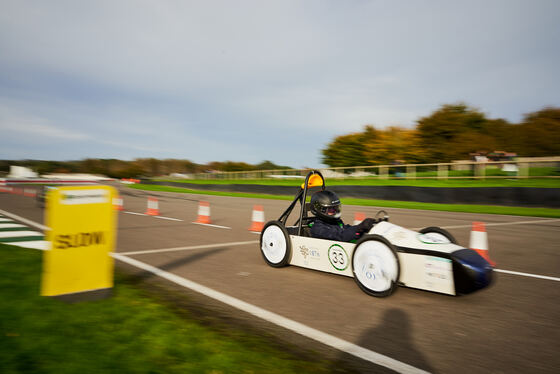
x: 141, y: 167
x: 452, y: 132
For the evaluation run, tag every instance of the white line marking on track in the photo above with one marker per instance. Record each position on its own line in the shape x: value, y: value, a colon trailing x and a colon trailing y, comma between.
x: 498, y: 224
x: 527, y: 275
x: 523, y: 222
x: 277, y: 319
x: 136, y: 214
x: 148, y: 215
x: 208, y: 224
x: 204, y: 246
x: 24, y: 220
x: 443, y: 211
x: 169, y: 218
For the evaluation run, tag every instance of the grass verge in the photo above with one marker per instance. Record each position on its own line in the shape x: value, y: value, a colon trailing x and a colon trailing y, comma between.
x: 535, y: 183
x: 484, y: 209
x: 131, y: 332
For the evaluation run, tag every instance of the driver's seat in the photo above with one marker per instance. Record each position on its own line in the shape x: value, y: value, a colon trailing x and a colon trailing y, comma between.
x: 305, y: 229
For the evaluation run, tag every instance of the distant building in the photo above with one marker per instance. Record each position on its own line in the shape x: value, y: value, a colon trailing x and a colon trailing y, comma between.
x: 21, y: 172
x: 77, y: 177
x: 492, y: 156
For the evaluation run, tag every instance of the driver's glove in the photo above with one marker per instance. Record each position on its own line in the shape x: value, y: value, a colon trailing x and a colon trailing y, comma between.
x: 366, y: 225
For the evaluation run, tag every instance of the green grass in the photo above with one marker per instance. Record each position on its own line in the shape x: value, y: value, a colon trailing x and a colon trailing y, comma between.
x: 131, y: 332
x: 542, y: 183
x: 464, y: 208
x: 484, y: 209
x: 153, y: 187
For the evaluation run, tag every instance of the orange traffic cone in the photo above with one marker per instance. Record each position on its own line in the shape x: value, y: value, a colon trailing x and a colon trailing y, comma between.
x: 479, y: 241
x: 203, y: 212
x: 257, y: 219
x: 358, y: 217
x: 29, y: 192
x: 118, y: 203
x: 153, y: 208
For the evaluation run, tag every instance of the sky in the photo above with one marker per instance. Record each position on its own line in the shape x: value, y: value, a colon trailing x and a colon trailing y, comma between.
x: 254, y: 80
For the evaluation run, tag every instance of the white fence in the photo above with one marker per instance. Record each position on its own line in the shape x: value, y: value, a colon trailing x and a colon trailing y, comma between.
x: 521, y: 168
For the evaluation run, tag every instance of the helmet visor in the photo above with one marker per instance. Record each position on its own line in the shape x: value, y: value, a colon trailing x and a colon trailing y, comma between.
x: 332, y: 211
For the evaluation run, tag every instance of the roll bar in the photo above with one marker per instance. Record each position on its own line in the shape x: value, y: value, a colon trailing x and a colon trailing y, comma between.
x: 313, y: 179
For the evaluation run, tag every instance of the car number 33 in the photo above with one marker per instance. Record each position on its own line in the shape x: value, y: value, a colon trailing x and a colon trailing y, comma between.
x: 338, y: 257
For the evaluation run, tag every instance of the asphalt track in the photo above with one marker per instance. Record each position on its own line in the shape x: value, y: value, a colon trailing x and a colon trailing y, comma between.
x: 511, y: 327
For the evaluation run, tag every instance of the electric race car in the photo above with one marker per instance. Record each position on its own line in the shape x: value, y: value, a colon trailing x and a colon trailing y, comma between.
x: 386, y: 257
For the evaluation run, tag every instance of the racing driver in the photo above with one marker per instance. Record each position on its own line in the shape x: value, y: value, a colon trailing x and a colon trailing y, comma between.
x: 325, y: 205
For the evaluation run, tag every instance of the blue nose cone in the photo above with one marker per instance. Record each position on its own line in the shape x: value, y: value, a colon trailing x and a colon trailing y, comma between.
x: 471, y: 271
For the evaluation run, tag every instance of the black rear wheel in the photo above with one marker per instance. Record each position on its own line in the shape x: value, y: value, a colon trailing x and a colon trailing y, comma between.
x: 437, y: 235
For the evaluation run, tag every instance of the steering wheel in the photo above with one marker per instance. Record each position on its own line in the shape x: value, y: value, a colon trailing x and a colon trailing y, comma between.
x: 382, y: 216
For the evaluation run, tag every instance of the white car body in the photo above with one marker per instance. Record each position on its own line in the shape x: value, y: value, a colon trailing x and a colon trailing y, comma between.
x: 423, y: 271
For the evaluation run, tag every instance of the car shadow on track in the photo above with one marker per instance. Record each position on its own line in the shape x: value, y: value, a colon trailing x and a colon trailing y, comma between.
x: 392, y: 337
x: 143, y: 275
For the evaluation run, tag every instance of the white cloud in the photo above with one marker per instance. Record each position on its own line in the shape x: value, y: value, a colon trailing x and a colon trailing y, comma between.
x: 31, y: 126
x: 216, y: 80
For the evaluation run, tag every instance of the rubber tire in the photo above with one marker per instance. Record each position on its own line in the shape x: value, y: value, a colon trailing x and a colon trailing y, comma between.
x: 439, y: 230
x: 286, y: 257
x: 394, y: 283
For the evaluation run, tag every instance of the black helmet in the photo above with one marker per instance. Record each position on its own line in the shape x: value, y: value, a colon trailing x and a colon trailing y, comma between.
x: 325, y: 204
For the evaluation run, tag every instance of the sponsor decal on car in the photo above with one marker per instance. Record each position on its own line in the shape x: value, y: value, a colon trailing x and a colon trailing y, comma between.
x: 398, y: 235
x: 309, y: 254
x: 437, y: 271
x: 433, y: 238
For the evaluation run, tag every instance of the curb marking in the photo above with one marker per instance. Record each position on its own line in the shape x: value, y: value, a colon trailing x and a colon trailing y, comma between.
x: 24, y: 220
x: 21, y: 239
x: 14, y: 233
x: 22, y: 228
x: 11, y: 226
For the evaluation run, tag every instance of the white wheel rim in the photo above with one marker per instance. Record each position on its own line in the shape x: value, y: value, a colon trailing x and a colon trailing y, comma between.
x: 375, y: 265
x: 274, y: 244
x: 434, y: 238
